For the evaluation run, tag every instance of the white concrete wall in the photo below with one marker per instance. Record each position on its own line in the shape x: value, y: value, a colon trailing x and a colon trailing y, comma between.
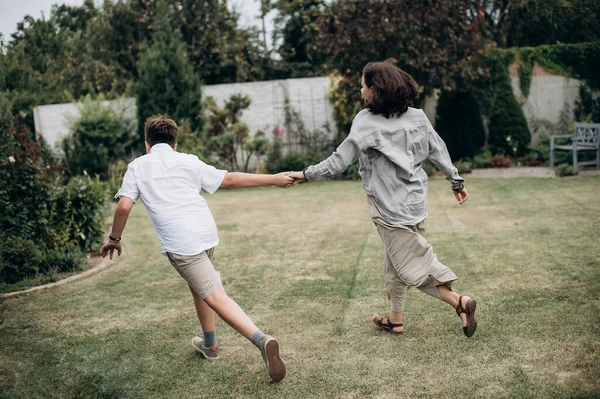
x: 52, y: 121
x: 308, y: 97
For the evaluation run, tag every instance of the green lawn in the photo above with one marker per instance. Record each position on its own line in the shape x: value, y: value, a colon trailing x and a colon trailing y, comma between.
x: 306, y: 264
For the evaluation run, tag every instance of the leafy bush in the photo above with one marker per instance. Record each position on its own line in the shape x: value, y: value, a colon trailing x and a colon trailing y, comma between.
x: 85, y: 212
x: 458, y: 121
x: 40, y: 215
x: 98, y: 137
x: 482, y: 160
x: 508, y: 130
x: 294, y: 162
x: 116, y: 171
x: 500, y: 161
x: 429, y: 168
x: 20, y: 259
x: 61, y: 260
x: 566, y: 170
x: 463, y: 166
x: 352, y: 172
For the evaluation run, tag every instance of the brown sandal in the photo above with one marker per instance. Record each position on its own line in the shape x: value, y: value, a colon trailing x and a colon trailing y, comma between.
x: 389, y: 326
x: 469, y: 310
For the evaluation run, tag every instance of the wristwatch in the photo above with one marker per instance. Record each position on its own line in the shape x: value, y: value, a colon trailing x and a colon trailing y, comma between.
x: 458, y: 187
x: 113, y: 239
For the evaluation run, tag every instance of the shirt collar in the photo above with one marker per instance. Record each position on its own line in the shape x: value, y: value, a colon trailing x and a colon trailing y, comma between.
x: 161, y: 147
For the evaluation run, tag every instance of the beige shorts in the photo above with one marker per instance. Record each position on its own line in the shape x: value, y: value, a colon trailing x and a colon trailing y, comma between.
x: 198, y: 271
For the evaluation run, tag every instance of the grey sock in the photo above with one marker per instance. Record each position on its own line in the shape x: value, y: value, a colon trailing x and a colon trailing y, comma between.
x: 210, y: 338
x: 256, y: 338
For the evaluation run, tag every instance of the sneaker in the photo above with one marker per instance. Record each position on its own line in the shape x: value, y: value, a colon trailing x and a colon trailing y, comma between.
x: 269, y: 348
x: 211, y: 353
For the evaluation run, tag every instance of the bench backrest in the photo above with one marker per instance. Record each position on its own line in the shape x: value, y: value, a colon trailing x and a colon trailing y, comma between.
x: 587, y: 133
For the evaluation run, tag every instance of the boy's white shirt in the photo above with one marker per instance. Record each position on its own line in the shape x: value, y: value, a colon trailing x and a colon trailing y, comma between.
x: 169, y: 184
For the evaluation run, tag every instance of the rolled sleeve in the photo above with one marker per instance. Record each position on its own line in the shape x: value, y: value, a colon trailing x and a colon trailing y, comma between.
x: 345, y: 155
x: 129, y: 188
x: 210, y: 177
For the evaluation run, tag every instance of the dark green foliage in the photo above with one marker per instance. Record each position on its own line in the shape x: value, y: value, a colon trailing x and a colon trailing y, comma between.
x: 62, y: 260
x: 564, y: 169
x: 293, y: 162
x: 579, y: 60
x: 587, y: 109
x: 100, y: 136
x: 458, y: 122
x: 463, y: 167
x: 525, y: 75
x: 39, y: 215
x: 508, y: 130
x: 167, y: 83
x: 429, y: 168
x: 482, y: 160
x: 20, y: 259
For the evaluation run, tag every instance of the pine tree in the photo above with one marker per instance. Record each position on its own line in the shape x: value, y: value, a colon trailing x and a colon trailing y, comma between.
x: 458, y: 121
x: 166, y: 82
x: 508, y: 130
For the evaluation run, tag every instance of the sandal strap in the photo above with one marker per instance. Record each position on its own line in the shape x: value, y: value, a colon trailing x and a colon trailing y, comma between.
x: 390, y: 324
x: 459, y: 308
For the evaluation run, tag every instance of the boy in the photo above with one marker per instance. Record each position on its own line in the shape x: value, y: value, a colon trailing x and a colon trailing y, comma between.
x: 169, y: 184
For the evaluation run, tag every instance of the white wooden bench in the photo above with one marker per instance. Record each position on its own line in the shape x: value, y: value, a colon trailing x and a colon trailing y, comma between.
x: 586, y: 137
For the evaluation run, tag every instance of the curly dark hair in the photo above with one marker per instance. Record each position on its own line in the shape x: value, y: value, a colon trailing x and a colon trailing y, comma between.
x: 393, y: 89
x: 160, y: 129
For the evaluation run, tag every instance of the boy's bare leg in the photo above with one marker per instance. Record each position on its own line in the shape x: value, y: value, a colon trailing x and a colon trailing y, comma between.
x: 231, y: 312
x: 206, y: 315
x: 451, y: 298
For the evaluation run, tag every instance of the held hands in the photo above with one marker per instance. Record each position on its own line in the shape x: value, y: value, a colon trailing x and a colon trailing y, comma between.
x: 461, y: 196
x: 288, y: 179
x: 109, y: 248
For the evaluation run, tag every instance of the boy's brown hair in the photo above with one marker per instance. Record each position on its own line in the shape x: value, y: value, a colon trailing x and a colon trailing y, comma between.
x: 160, y: 129
x: 393, y: 89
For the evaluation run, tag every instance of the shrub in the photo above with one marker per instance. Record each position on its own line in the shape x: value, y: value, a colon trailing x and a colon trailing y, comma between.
x: 508, y: 130
x: 116, y: 171
x: 429, y: 168
x: 20, y: 259
x: 566, y: 170
x: 61, y: 260
x: 86, y: 210
x: 530, y: 159
x: 97, y: 138
x: 294, y: 161
x: 463, y: 166
x: 352, y: 172
x: 500, y: 161
x: 458, y: 121
x: 482, y: 160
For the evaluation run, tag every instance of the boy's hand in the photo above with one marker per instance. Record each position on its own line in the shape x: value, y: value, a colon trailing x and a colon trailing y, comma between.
x: 110, y: 247
x: 283, y: 180
x: 298, y: 177
x: 461, y: 196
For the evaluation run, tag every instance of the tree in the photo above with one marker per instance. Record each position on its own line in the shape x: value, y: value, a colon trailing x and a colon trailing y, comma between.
x: 301, y: 50
x: 458, y: 121
x: 508, y: 130
x: 167, y: 83
x: 436, y: 41
x: 520, y: 23
x: 219, y: 51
